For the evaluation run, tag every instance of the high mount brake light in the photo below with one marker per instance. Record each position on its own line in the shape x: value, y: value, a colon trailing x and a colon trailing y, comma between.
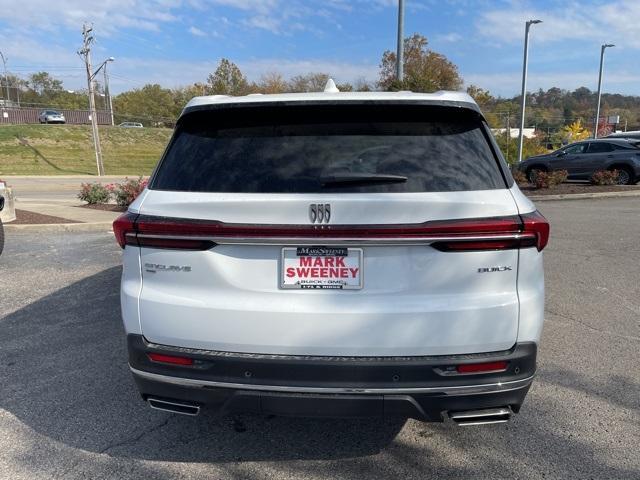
x: 475, y: 234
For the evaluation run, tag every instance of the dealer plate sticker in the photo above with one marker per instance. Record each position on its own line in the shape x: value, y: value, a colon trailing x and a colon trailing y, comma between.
x: 326, y: 268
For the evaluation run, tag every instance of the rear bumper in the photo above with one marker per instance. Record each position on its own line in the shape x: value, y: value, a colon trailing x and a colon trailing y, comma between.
x: 413, y: 387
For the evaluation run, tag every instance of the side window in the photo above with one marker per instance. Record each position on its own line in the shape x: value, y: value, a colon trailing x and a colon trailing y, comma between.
x: 600, y: 147
x: 616, y: 146
x: 573, y: 149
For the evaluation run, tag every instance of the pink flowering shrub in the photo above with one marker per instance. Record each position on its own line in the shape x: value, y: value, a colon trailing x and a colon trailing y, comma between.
x: 94, y: 193
x: 125, y: 193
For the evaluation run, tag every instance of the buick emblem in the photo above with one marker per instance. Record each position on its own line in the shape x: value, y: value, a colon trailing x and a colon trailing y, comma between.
x: 319, y: 212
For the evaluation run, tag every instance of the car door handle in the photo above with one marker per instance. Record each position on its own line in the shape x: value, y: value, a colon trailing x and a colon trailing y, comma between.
x: 609, y: 156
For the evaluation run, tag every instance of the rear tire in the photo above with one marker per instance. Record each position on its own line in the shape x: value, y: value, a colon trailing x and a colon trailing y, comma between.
x: 625, y: 175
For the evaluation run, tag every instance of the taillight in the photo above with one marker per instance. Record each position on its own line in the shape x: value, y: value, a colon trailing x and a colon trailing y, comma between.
x: 535, y: 223
x: 124, y: 226
x: 170, y: 359
x: 474, y: 234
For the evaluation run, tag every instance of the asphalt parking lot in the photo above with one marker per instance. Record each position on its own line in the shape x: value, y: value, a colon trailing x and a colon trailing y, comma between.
x: 69, y: 408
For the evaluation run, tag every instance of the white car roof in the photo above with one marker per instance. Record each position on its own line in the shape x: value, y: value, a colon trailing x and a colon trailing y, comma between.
x: 445, y: 98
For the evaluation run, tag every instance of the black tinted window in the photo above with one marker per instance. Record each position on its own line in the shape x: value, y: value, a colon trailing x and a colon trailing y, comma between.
x: 600, y: 147
x: 293, y: 149
x: 578, y: 148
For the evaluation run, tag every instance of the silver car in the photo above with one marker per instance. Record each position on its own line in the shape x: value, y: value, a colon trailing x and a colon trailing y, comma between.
x: 51, y: 116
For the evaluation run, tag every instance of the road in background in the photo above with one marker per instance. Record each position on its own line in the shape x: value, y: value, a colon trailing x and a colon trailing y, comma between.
x: 54, y: 189
x: 69, y: 408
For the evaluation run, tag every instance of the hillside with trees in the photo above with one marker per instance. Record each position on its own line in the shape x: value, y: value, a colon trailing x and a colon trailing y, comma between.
x: 552, y: 112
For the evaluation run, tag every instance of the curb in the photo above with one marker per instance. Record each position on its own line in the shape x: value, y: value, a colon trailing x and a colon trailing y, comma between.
x: 580, y: 196
x: 61, y: 227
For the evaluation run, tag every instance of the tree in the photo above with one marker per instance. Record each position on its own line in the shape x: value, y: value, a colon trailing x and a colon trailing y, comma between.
x: 227, y: 80
x: 424, y: 69
x: 574, y: 132
x: 311, y: 82
x: 482, y: 97
x: 272, y: 82
x: 43, y: 83
x: 150, y: 105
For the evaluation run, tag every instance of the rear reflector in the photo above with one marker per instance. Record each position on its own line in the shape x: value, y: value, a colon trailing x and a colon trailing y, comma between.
x: 482, y: 367
x: 473, y: 234
x: 173, y: 360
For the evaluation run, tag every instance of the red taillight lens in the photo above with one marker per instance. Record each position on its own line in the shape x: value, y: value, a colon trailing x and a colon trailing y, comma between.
x: 476, y: 234
x: 123, y: 225
x: 482, y: 367
x: 171, y: 359
x: 535, y: 223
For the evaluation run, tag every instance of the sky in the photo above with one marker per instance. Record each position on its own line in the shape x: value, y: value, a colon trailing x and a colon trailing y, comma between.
x: 178, y: 42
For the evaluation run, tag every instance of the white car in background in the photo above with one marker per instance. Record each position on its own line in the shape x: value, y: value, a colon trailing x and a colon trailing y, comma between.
x: 51, y: 116
x: 334, y: 254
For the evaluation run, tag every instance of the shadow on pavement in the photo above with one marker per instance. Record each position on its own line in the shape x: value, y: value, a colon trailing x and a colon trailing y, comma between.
x: 64, y: 364
x: 64, y: 375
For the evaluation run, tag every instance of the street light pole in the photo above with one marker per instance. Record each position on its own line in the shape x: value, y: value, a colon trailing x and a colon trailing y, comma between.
x: 107, y: 92
x: 602, y: 49
x: 524, y: 84
x: 400, y: 51
x: 6, y: 78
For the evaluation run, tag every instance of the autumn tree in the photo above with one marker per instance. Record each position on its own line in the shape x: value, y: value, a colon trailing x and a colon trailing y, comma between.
x: 424, y: 69
x: 150, y: 105
x: 272, y: 82
x: 227, y: 80
x: 311, y: 82
x: 574, y: 132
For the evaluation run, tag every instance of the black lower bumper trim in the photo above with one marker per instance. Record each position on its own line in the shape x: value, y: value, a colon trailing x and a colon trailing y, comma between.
x: 332, y: 387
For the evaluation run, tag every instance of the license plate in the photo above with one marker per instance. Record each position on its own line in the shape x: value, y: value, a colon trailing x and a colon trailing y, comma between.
x: 325, y: 268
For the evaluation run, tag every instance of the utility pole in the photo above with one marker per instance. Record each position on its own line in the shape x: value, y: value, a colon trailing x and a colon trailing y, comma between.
x: 6, y: 78
x: 85, y: 53
x: 400, y: 51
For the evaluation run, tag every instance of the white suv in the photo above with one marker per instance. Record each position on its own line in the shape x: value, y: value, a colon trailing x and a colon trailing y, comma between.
x: 334, y: 254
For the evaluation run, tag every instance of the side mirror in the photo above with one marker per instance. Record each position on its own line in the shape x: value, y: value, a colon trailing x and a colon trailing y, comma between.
x: 561, y: 154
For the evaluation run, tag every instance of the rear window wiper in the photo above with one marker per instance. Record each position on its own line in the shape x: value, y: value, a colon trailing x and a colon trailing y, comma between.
x: 355, y: 179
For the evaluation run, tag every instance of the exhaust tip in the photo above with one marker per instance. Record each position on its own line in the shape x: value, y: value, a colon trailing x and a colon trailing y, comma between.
x: 481, y: 417
x: 174, y: 406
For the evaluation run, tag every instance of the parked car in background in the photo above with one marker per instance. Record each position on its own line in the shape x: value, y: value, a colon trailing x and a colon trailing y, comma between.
x: 51, y: 116
x: 634, y: 134
x: 334, y: 254
x: 583, y: 159
x: 130, y: 125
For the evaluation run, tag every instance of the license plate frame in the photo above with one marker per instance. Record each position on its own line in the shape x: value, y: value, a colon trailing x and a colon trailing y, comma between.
x: 317, y: 283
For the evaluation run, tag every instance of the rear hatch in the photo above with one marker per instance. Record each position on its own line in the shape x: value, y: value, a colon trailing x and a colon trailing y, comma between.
x: 330, y: 230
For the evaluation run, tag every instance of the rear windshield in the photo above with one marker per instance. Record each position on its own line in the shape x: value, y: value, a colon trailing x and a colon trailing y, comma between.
x: 321, y: 149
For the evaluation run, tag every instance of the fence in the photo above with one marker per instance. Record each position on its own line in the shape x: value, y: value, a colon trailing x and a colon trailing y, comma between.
x: 15, y: 115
